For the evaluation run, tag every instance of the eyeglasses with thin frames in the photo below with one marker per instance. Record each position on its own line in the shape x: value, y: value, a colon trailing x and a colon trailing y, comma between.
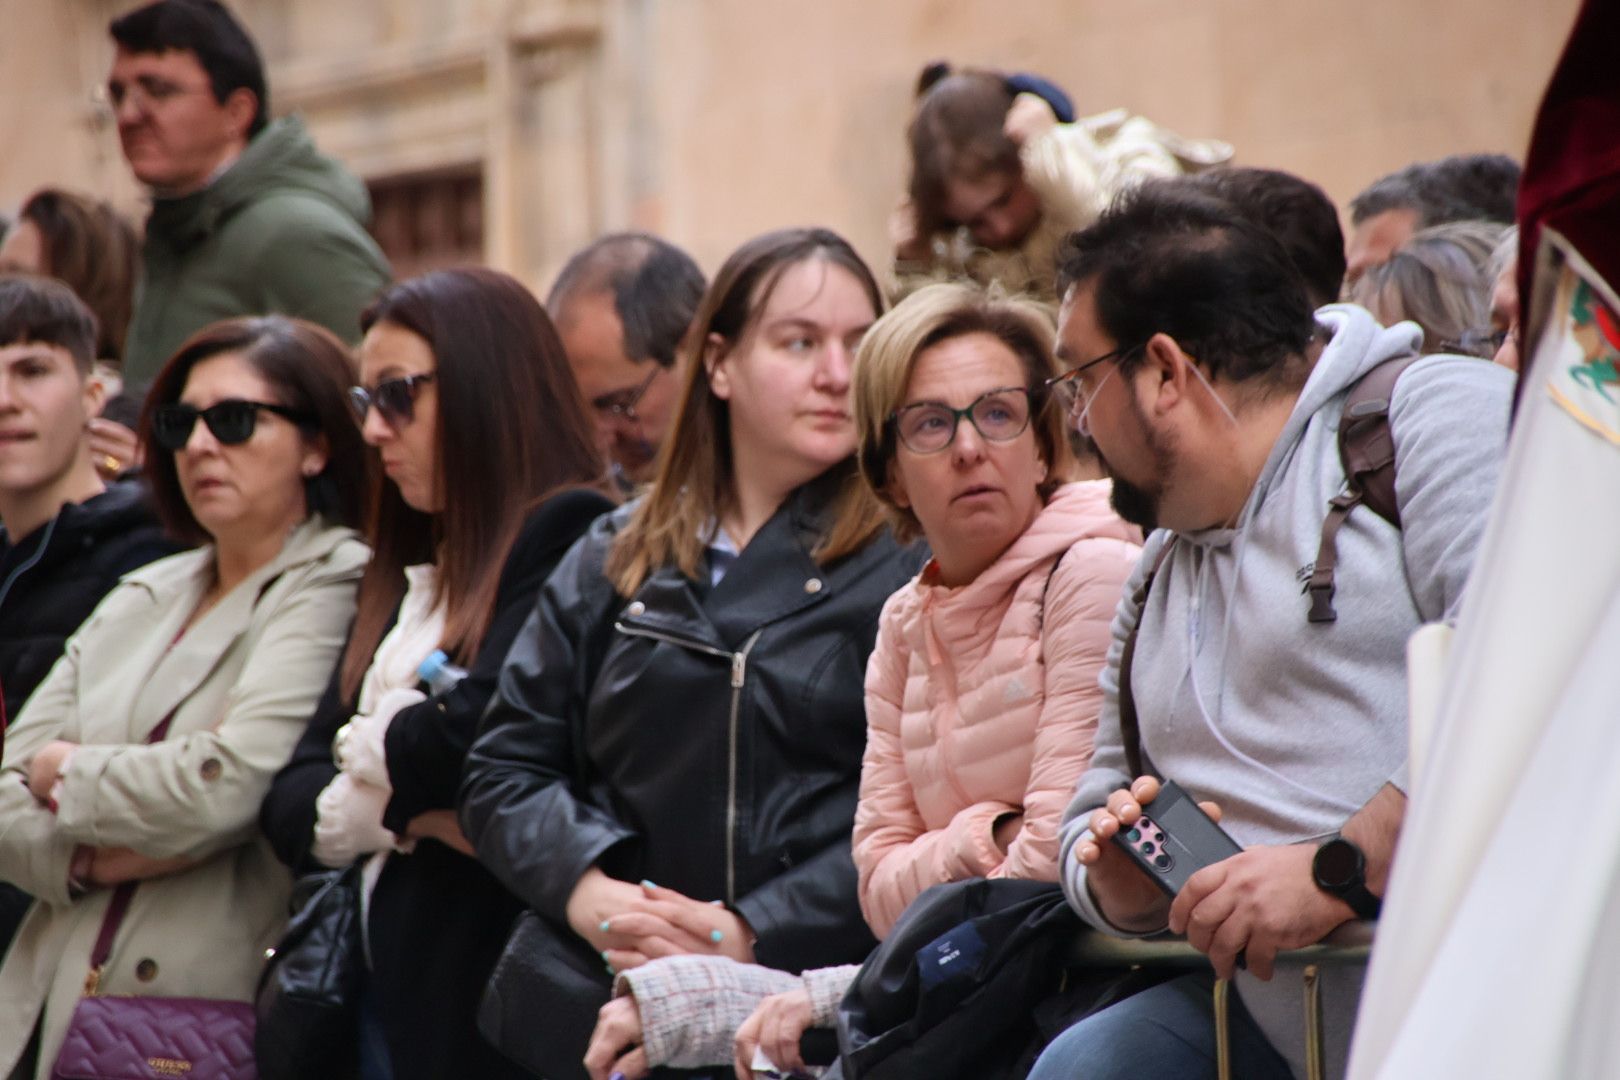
x: 148, y: 94
x: 1484, y: 342
x: 625, y: 408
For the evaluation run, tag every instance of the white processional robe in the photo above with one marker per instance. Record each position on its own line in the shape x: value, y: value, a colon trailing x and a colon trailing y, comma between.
x: 1499, y: 951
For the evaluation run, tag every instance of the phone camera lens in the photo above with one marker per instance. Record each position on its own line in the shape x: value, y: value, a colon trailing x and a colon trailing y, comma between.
x: 1148, y: 848
x: 1132, y: 835
x: 1162, y: 862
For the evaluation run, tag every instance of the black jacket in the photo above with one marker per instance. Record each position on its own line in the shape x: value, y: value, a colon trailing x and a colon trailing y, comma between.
x: 708, y: 739
x: 53, y: 578
x: 437, y: 920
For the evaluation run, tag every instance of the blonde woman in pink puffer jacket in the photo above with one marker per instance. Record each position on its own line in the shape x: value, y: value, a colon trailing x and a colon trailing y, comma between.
x: 981, y: 704
x: 981, y: 695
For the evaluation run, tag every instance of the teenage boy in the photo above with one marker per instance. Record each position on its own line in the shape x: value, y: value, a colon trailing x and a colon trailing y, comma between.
x: 66, y: 536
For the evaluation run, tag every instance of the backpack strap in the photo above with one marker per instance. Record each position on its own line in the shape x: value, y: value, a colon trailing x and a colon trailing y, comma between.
x: 1130, y: 726
x: 1367, y: 453
x: 1047, y: 589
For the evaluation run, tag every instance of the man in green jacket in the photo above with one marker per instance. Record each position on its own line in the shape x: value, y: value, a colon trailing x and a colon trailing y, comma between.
x: 247, y: 216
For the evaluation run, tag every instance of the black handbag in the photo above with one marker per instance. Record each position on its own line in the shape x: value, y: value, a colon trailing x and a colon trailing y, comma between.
x: 970, y: 984
x: 540, y: 1005
x: 309, y: 993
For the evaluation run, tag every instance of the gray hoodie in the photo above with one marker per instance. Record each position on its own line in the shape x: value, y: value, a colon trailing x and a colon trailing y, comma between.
x: 1290, y: 725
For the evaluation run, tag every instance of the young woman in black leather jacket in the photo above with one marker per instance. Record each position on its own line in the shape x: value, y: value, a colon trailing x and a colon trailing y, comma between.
x: 671, y: 760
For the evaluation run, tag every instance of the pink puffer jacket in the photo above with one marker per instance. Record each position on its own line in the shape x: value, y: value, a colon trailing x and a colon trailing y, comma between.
x: 978, y: 705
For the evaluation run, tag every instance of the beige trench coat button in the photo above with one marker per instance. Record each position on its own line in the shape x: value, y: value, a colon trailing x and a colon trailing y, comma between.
x: 211, y: 769
x: 636, y: 608
x: 813, y: 586
x: 146, y: 970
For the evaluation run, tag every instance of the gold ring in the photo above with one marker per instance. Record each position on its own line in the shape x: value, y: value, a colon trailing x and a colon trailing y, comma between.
x: 111, y: 464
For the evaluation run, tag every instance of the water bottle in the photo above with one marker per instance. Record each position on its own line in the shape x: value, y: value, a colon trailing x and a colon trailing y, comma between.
x: 438, y: 672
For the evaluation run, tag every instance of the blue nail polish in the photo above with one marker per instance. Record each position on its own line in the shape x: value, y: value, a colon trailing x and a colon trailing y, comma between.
x: 716, y: 936
x: 645, y: 884
x: 610, y: 970
x: 617, y: 1076
x: 606, y: 926
x: 604, y: 954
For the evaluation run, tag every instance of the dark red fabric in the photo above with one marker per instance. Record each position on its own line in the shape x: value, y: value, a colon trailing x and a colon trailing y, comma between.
x: 1571, y: 177
x: 118, y: 906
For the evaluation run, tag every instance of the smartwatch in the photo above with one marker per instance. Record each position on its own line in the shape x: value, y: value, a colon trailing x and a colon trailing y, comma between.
x: 1340, y: 869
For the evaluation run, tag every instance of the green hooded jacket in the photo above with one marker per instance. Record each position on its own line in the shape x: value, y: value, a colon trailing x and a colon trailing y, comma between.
x: 281, y: 230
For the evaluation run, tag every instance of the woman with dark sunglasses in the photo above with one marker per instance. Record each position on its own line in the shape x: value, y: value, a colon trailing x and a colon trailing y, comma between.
x: 138, y: 766
x: 492, y: 473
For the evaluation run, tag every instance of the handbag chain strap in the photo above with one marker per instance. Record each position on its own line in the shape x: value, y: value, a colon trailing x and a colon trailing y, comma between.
x: 118, y: 906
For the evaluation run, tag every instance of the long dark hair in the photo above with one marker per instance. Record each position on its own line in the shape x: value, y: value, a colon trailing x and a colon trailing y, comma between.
x: 511, y: 430
x: 88, y: 246
x: 310, y: 371
x: 694, y: 482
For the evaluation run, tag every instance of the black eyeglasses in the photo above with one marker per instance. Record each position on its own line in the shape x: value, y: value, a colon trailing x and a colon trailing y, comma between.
x: 1069, y: 381
x: 394, y: 399
x: 998, y: 415
x: 231, y: 421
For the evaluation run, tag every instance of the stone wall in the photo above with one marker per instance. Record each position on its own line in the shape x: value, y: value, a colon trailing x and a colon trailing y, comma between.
x: 710, y: 120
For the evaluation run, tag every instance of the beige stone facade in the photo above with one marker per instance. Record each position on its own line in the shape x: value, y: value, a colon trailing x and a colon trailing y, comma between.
x: 550, y: 121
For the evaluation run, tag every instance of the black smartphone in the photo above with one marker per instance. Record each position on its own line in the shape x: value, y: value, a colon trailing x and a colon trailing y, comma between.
x: 1174, y: 839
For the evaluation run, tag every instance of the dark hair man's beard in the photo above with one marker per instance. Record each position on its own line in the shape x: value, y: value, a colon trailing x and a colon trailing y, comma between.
x: 1138, y: 503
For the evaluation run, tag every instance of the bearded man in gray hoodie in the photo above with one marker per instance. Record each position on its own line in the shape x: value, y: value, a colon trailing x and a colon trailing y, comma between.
x: 1214, y: 395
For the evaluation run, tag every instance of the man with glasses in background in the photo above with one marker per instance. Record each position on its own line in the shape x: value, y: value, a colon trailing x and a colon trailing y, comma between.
x: 1200, y: 372
x: 247, y: 217
x: 621, y: 306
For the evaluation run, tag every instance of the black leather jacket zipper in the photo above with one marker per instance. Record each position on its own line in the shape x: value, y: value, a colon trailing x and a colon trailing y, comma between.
x: 739, y: 673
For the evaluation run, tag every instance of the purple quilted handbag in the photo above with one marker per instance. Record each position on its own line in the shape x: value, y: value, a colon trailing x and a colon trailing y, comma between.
x: 144, y: 1038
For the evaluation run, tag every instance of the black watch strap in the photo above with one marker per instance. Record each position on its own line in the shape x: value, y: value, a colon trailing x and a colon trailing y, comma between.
x: 1362, y: 901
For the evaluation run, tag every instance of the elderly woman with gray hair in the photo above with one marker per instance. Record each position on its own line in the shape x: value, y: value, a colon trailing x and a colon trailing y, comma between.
x: 1504, y: 275
x: 1440, y: 279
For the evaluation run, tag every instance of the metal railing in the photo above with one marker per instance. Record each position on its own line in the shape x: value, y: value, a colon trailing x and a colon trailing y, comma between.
x: 1350, y: 944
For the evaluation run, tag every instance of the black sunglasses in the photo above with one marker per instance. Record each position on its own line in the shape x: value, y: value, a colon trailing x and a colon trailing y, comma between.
x: 394, y: 399
x: 231, y: 421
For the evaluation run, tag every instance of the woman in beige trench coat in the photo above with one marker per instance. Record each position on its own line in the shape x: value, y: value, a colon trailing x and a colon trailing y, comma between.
x: 250, y: 451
